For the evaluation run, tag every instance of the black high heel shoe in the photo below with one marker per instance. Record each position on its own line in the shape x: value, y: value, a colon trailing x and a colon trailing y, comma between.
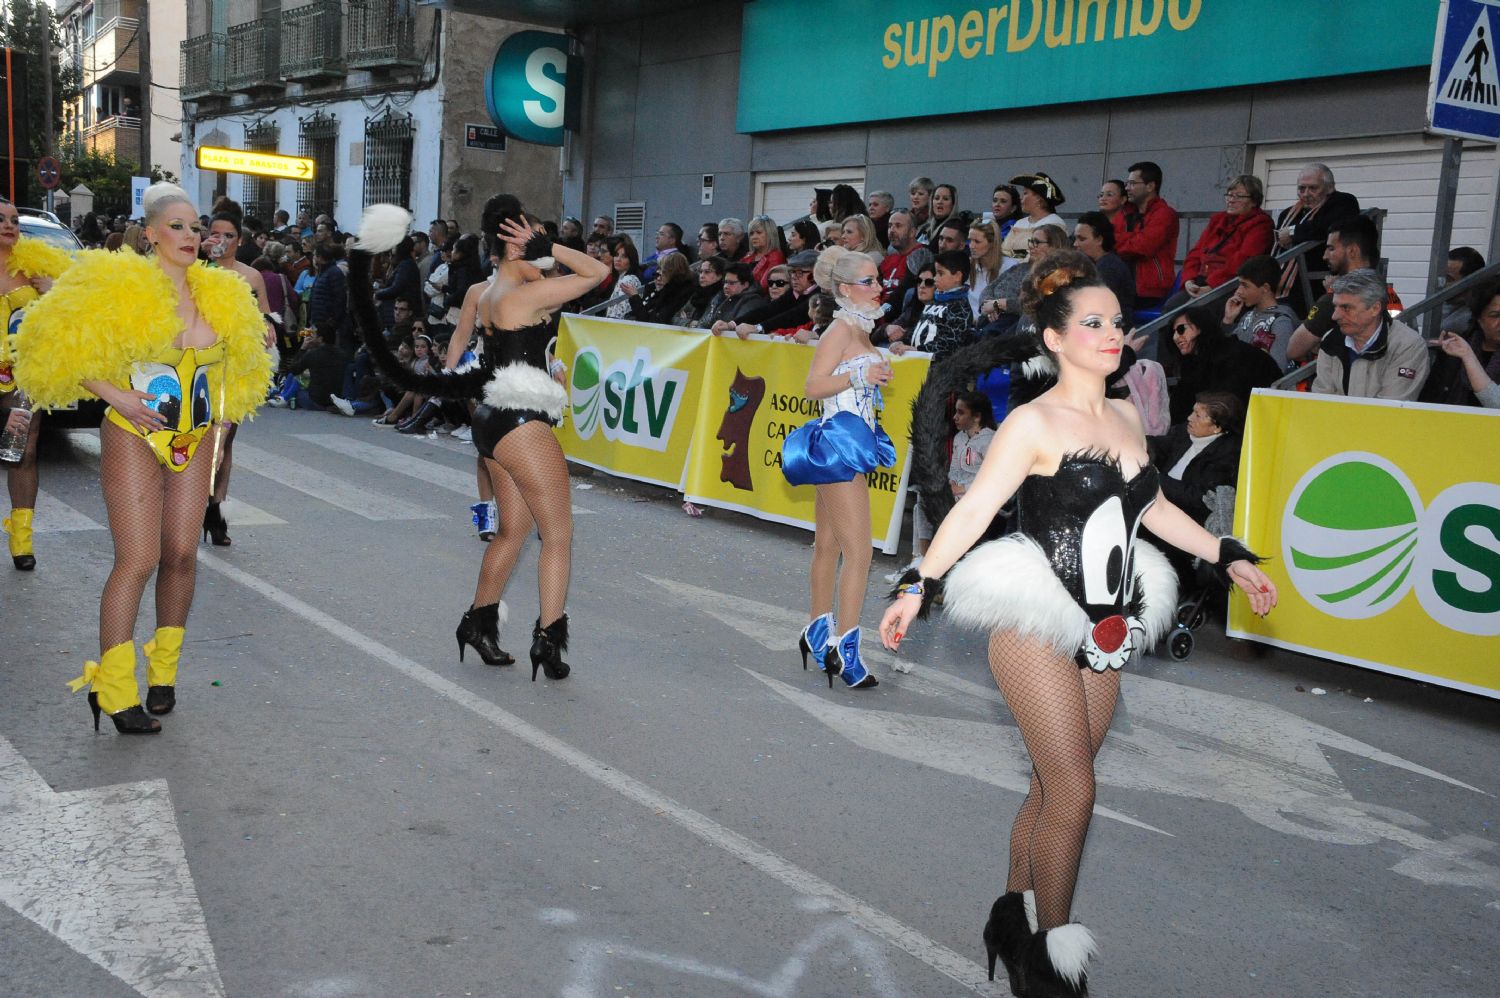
x: 214, y: 526
x: 480, y: 629
x: 1006, y: 935
x: 160, y: 699
x: 547, y: 645
x: 130, y: 721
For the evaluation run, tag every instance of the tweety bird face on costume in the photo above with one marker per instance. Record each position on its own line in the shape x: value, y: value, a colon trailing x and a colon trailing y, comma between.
x: 182, y: 412
x: 7, y: 379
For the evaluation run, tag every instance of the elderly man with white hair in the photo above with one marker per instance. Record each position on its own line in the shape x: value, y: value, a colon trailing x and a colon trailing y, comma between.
x: 1367, y: 354
x: 1319, y: 206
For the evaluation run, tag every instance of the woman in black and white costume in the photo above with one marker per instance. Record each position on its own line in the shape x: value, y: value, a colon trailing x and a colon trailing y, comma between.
x: 1068, y: 599
x: 522, y: 401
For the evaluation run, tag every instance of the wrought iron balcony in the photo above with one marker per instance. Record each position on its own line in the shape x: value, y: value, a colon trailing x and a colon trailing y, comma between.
x: 312, y: 40
x: 253, y: 52
x: 202, y: 73
x: 382, y: 34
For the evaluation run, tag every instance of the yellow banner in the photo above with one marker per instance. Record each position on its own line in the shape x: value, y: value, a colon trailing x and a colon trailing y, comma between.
x: 1382, y: 520
x: 752, y: 399
x: 633, y: 396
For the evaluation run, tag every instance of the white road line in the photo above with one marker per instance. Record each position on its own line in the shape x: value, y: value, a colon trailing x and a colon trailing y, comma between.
x: 455, y: 481
x: 335, y: 491
x: 236, y: 511
x: 54, y: 516
x: 937, y: 956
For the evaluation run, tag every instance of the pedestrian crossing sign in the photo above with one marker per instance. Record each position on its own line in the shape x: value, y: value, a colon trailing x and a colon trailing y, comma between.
x: 1463, y: 94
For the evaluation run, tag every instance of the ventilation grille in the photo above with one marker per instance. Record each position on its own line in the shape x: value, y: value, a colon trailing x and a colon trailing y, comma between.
x: 630, y: 220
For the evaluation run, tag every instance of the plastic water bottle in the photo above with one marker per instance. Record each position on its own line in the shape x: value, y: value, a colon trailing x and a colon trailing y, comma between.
x: 13, y: 442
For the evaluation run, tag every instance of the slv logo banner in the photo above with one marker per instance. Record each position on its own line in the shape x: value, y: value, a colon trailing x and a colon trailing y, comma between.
x: 926, y: 58
x: 532, y: 87
x: 633, y: 393
x: 752, y: 399
x: 1386, y: 532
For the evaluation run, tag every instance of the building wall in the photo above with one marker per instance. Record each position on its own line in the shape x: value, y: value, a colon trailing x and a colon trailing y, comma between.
x: 470, y: 176
x: 663, y: 93
x: 426, y: 108
x: 167, y: 21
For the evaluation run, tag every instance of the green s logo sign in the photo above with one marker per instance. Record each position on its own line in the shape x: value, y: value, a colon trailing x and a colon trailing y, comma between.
x: 526, y: 88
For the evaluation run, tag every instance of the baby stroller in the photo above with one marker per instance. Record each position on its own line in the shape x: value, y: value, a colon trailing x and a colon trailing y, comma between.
x: 1201, y: 585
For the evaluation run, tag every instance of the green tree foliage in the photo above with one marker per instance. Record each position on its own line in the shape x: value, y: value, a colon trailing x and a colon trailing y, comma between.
x: 106, y: 176
x: 22, y: 30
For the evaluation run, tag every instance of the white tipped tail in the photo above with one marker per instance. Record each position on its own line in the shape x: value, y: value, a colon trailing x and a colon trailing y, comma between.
x: 383, y: 226
x: 1070, y: 948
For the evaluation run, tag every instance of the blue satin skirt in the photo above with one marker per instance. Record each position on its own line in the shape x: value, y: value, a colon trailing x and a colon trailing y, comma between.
x: 835, y: 449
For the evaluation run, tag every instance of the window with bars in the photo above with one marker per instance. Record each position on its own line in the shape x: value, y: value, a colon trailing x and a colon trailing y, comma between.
x: 258, y: 194
x: 388, y: 149
x: 318, y: 140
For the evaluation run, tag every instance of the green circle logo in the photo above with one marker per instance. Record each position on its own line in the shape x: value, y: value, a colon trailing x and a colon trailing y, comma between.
x: 1349, y: 535
x: 586, y: 391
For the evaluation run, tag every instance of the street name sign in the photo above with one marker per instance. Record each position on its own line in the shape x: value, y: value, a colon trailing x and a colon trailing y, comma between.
x: 257, y: 164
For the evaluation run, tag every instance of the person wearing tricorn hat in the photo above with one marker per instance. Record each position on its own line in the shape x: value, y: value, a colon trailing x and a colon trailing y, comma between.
x: 1040, y: 197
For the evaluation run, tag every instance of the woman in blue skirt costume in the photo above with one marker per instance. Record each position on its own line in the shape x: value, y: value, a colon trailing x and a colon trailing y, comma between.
x: 834, y: 453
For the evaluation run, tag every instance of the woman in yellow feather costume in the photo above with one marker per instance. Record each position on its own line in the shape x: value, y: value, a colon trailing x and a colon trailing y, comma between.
x: 27, y: 270
x: 176, y: 350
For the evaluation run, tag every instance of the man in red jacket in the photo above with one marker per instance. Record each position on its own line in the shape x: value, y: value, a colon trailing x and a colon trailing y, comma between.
x: 1146, y: 235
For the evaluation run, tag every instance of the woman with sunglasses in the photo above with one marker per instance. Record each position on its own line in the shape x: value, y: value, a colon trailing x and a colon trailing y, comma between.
x: 1207, y: 359
x: 1000, y: 302
x: 834, y: 453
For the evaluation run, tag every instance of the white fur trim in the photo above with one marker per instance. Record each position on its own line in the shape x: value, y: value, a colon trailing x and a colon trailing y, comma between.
x: 543, y: 263
x: 1070, y: 948
x: 383, y: 226
x: 504, y: 612
x: 1039, y: 366
x: 1009, y: 585
x: 1029, y: 900
x: 521, y: 386
x: 1157, y: 582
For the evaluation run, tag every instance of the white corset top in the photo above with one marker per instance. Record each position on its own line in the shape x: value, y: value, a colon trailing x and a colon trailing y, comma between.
x: 863, y: 402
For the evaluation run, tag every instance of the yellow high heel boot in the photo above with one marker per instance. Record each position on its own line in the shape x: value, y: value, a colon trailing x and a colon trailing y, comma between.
x: 162, y: 653
x: 112, y: 689
x: 18, y: 526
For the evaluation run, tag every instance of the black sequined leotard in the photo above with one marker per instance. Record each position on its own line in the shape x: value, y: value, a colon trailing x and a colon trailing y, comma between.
x: 520, y: 390
x: 1074, y: 572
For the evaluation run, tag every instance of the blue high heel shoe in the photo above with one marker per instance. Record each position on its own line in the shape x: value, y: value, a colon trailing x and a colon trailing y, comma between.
x: 843, y: 660
x: 814, y: 639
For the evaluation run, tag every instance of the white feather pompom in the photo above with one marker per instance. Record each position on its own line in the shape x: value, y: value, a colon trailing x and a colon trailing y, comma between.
x: 383, y: 226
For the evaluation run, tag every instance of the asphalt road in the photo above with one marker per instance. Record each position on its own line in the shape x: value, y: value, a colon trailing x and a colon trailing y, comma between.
x: 338, y: 807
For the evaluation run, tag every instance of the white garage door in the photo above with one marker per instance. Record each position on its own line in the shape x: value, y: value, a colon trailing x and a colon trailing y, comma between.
x: 784, y: 196
x: 1399, y: 174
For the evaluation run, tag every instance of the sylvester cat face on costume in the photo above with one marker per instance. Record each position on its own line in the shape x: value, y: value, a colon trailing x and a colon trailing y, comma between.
x: 745, y: 396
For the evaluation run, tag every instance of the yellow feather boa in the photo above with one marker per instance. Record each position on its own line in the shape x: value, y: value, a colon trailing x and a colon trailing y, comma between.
x: 110, y: 311
x: 37, y: 258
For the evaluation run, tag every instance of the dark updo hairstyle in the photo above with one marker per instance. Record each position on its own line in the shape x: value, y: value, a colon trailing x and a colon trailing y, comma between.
x: 845, y: 202
x: 1100, y: 225
x: 1048, y: 292
x: 498, y: 209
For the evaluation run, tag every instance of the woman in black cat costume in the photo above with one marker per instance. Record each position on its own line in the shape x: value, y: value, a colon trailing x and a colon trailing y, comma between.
x: 1068, y: 599
x: 522, y: 402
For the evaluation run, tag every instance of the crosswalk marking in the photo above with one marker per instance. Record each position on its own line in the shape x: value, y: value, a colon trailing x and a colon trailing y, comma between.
x: 334, y: 491
x: 459, y: 482
x: 54, y: 516
x: 237, y: 512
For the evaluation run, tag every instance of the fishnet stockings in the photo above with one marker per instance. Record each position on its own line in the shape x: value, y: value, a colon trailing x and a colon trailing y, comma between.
x: 155, y: 516
x: 530, y: 478
x: 842, y: 516
x: 21, y: 479
x: 1063, y: 712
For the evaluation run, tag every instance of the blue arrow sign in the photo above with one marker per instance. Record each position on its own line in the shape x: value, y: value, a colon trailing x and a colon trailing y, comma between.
x: 1463, y: 94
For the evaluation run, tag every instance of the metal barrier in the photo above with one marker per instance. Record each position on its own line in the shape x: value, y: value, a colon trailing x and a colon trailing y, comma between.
x: 1431, y: 306
x: 603, y: 306
x: 1226, y: 289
